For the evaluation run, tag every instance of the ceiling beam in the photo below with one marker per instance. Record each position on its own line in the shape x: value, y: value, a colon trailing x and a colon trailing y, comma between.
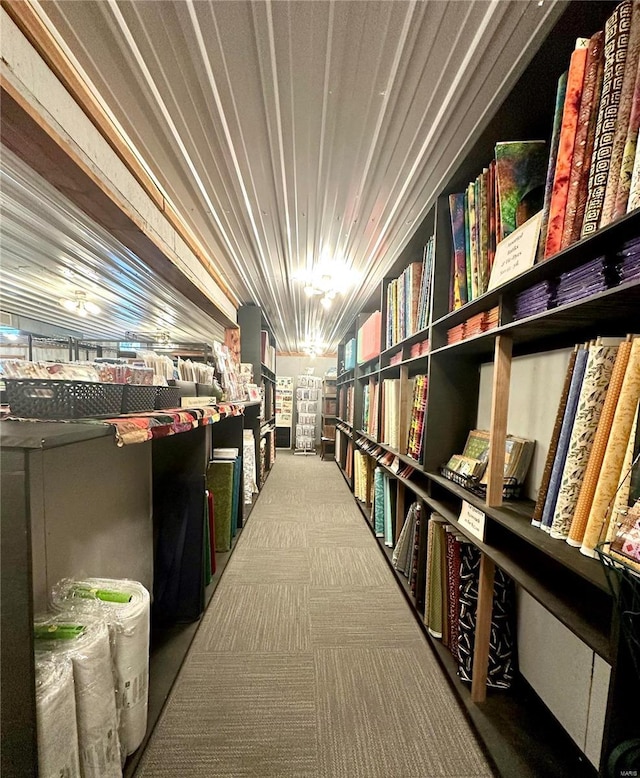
x: 30, y: 137
x: 40, y: 37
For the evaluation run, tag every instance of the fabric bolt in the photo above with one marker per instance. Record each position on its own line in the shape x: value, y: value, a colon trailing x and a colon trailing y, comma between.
x: 521, y: 168
x: 615, y: 55
x: 161, y: 424
x: 623, y: 118
x: 388, y: 512
x: 583, y: 147
x: 249, y: 466
x: 629, y: 152
x: 433, y: 609
x: 564, y: 160
x: 90, y: 655
x: 459, y: 277
x: 415, y: 551
x: 614, y: 454
x: 553, y: 444
x: 220, y: 481
x: 634, y: 186
x: 126, y: 608
x: 502, y: 641
x: 453, y: 581
x: 178, y: 511
x: 56, y: 720
x: 378, y: 501
x: 561, y: 91
x: 590, y: 480
x: 403, y: 551
x: 563, y: 440
x: 593, y: 392
x: 622, y: 498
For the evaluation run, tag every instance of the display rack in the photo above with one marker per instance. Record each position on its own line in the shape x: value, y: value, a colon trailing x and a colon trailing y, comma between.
x: 308, y: 393
x: 284, y: 411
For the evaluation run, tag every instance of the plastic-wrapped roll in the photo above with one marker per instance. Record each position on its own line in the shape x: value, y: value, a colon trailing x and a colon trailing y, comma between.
x: 125, y: 606
x: 56, y: 718
x: 86, y: 643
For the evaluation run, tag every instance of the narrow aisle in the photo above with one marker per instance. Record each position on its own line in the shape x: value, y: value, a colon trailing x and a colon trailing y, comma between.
x: 309, y: 662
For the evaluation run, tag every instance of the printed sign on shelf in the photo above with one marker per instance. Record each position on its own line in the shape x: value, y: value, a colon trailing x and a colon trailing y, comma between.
x: 472, y: 519
x: 517, y: 252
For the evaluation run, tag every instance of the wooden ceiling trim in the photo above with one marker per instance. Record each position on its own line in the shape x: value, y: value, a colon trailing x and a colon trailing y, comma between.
x: 33, y: 28
x: 25, y: 131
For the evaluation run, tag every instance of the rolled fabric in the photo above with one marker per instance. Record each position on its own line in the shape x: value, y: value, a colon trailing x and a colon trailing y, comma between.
x: 56, y: 720
x: 553, y: 444
x: 590, y: 480
x: 561, y: 91
x: 85, y: 642
x: 388, y: 514
x: 453, y: 582
x: 126, y: 608
x: 433, y: 609
x: 583, y: 147
x: 634, y: 187
x: 621, y: 502
x: 562, y: 172
x: 402, y: 553
x: 614, y: 455
x: 378, y: 501
x: 629, y: 152
x: 623, y: 117
x: 616, y: 45
x: 563, y: 440
x: 592, y: 397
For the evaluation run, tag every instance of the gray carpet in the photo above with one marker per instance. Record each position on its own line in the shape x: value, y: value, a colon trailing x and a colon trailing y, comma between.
x: 308, y: 662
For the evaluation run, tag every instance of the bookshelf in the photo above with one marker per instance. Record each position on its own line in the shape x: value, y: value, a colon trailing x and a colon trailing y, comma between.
x: 329, y: 413
x: 566, y: 587
x: 257, y: 344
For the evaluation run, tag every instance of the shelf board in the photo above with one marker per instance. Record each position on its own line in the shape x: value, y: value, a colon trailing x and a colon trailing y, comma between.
x: 516, y: 515
x: 402, y: 457
x: 575, y: 611
x: 410, y: 341
x: 366, y: 376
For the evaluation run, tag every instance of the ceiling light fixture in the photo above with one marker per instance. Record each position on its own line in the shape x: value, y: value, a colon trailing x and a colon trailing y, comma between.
x: 80, y: 305
x: 325, y: 285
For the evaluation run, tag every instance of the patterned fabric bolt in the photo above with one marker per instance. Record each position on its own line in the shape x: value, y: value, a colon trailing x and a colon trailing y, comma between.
x: 563, y: 441
x: 614, y: 455
x: 624, y: 115
x: 553, y: 444
x: 579, y: 180
x: 592, y: 397
x: 590, y: 481
x: 502, y: 640
x: 616, y: 44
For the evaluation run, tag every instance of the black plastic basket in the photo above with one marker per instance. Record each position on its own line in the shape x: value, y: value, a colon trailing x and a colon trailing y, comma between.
x: 185, y: 388
x: 138, y: 399
x: 511, y: 489
x: 167, y: 397
x: 41, y: 398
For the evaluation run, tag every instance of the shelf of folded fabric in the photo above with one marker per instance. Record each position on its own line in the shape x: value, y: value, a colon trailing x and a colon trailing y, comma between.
x: 345, y: 377
x: 596, y: 244
x: 407, y: 460
x: 538, y: 564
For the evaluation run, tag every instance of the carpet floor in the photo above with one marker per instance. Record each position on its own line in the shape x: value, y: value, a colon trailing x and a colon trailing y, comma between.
x: 308, y: 662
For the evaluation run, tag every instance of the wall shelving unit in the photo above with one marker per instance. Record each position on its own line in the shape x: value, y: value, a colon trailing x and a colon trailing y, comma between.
x: 520, y: 733
x: 257, y: 344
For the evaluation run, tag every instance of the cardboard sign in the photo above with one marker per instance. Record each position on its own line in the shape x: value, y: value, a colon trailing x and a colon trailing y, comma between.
x: 516, y: 253
x: 472, y: 519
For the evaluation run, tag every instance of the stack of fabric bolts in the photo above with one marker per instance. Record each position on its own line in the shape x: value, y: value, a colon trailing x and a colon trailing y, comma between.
x: 536, y: 299
x: 629, y: 261
x: 588, y: 279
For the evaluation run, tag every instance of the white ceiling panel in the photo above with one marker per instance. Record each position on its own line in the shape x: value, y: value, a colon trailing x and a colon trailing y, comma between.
x: 290, y: 132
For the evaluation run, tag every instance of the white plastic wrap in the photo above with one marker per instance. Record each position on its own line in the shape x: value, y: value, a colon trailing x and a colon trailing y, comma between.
x: 56, y: 718
x: 126, y: 607
x: 249, y: 466
x: 85, y: 642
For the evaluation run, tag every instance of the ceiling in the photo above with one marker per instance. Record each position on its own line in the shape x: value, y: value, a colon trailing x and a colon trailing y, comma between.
x: 289, y: 134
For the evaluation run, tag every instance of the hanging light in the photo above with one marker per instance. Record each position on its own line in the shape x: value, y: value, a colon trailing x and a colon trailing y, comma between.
x: 325, y: 302
x: 80, y: 305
